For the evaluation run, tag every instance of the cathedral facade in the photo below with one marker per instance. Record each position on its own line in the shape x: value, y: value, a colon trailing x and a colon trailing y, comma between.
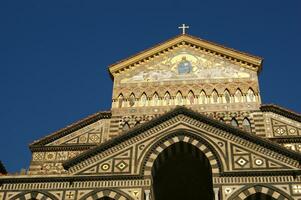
x: 186, y: 122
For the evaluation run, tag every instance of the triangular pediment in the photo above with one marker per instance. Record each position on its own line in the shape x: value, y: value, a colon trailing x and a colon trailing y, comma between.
x: 234, y: 151
x: 87, y: 131
x: 204, y: 56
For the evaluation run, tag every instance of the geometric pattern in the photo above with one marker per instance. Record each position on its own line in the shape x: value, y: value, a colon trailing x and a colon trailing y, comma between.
x: 243, y: 159
x: 275, y: 193
x: 281, y: 129
x: 120, y: 163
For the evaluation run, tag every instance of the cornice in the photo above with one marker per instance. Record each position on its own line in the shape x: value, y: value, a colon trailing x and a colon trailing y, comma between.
x: 71, y: 128
x: 73, y: 147
x: 281, y: 111
x: 291, y: 139
x: 72, y: 179
x: 249, y: 61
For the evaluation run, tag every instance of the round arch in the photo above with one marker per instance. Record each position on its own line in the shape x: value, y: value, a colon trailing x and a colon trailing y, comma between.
x: 114, y: 194
x: 34, y: 195
x: 268, y: 190
x: 198, y: 142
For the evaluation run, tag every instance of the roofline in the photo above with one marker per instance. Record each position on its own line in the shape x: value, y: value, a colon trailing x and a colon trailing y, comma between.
x: 281, y: 111
x: 195, y: 115
x: 161, y: 47
x: 71, y: 128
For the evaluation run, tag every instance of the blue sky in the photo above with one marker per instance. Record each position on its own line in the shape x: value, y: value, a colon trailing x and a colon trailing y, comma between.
x: 54, y: 55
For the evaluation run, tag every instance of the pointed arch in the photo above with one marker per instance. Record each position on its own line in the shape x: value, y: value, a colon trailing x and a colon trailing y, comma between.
x: 158, y: 147
x: 186, y: 163
x: 120, y: 100
x: 191, y: 98
x: 250, y: 95
x: 155, y: 99
x: 126, y: 126
x: 246, y: 124
x: 234, y: 122
x: 238, y: 96
x: 179, y: 98
x: 203, y: 97
x: 132, y: 100
x: 214, y: 96
x: 137, y: 123
x: 226, y: 96
x: 143, y: 99
x: 167, y: 99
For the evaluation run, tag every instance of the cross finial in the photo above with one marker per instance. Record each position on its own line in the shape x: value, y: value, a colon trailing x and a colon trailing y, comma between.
x: 183, y: 27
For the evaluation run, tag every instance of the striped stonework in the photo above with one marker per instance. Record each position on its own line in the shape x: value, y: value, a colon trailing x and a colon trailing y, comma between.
x: 259, y: 124
x: 105, y: 193
x: 34, y: 195
x: 259, y: 189
x: 207, y: 152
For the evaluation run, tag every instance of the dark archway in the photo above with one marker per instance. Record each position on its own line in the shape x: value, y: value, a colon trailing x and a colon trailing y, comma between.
x: 105, y: 198
x: 259, y: 196
x: 182, y: 171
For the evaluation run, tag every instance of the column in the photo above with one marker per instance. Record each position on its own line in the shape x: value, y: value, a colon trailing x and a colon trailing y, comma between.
x: 216, y: 192
x: 147, y: 194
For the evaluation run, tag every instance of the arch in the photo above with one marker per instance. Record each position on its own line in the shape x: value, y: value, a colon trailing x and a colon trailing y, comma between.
x: 190, y: 97
x: 203, y: 97
x: 38, y: 195
x: 179, y: 98
x: 238, y: 96
x: 143, y: 99
x: 246, y: 125
x: 132, y: 100
x: 250, y: 95
x: 157, y: 148
x: 120, y: 100
x: 126, y: 126
x: 155, y: 99
x: 234, y: 122
x: 243, y: 193
x: 182, y: 171
x: 112, y: 193
x: 214, y: 96
x: 167, y: 99
x: 226, y: 96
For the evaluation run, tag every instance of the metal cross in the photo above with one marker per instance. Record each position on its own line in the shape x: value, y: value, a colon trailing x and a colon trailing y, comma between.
x: 183, y: 27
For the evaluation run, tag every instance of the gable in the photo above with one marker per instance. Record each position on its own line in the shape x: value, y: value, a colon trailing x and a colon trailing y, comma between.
x: 230, y: 150
x: 187, y: 42
x: 86, y: 131
x: 186, y: 63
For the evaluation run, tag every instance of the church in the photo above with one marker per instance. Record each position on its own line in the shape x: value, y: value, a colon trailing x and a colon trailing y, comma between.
x: 186, y: 123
